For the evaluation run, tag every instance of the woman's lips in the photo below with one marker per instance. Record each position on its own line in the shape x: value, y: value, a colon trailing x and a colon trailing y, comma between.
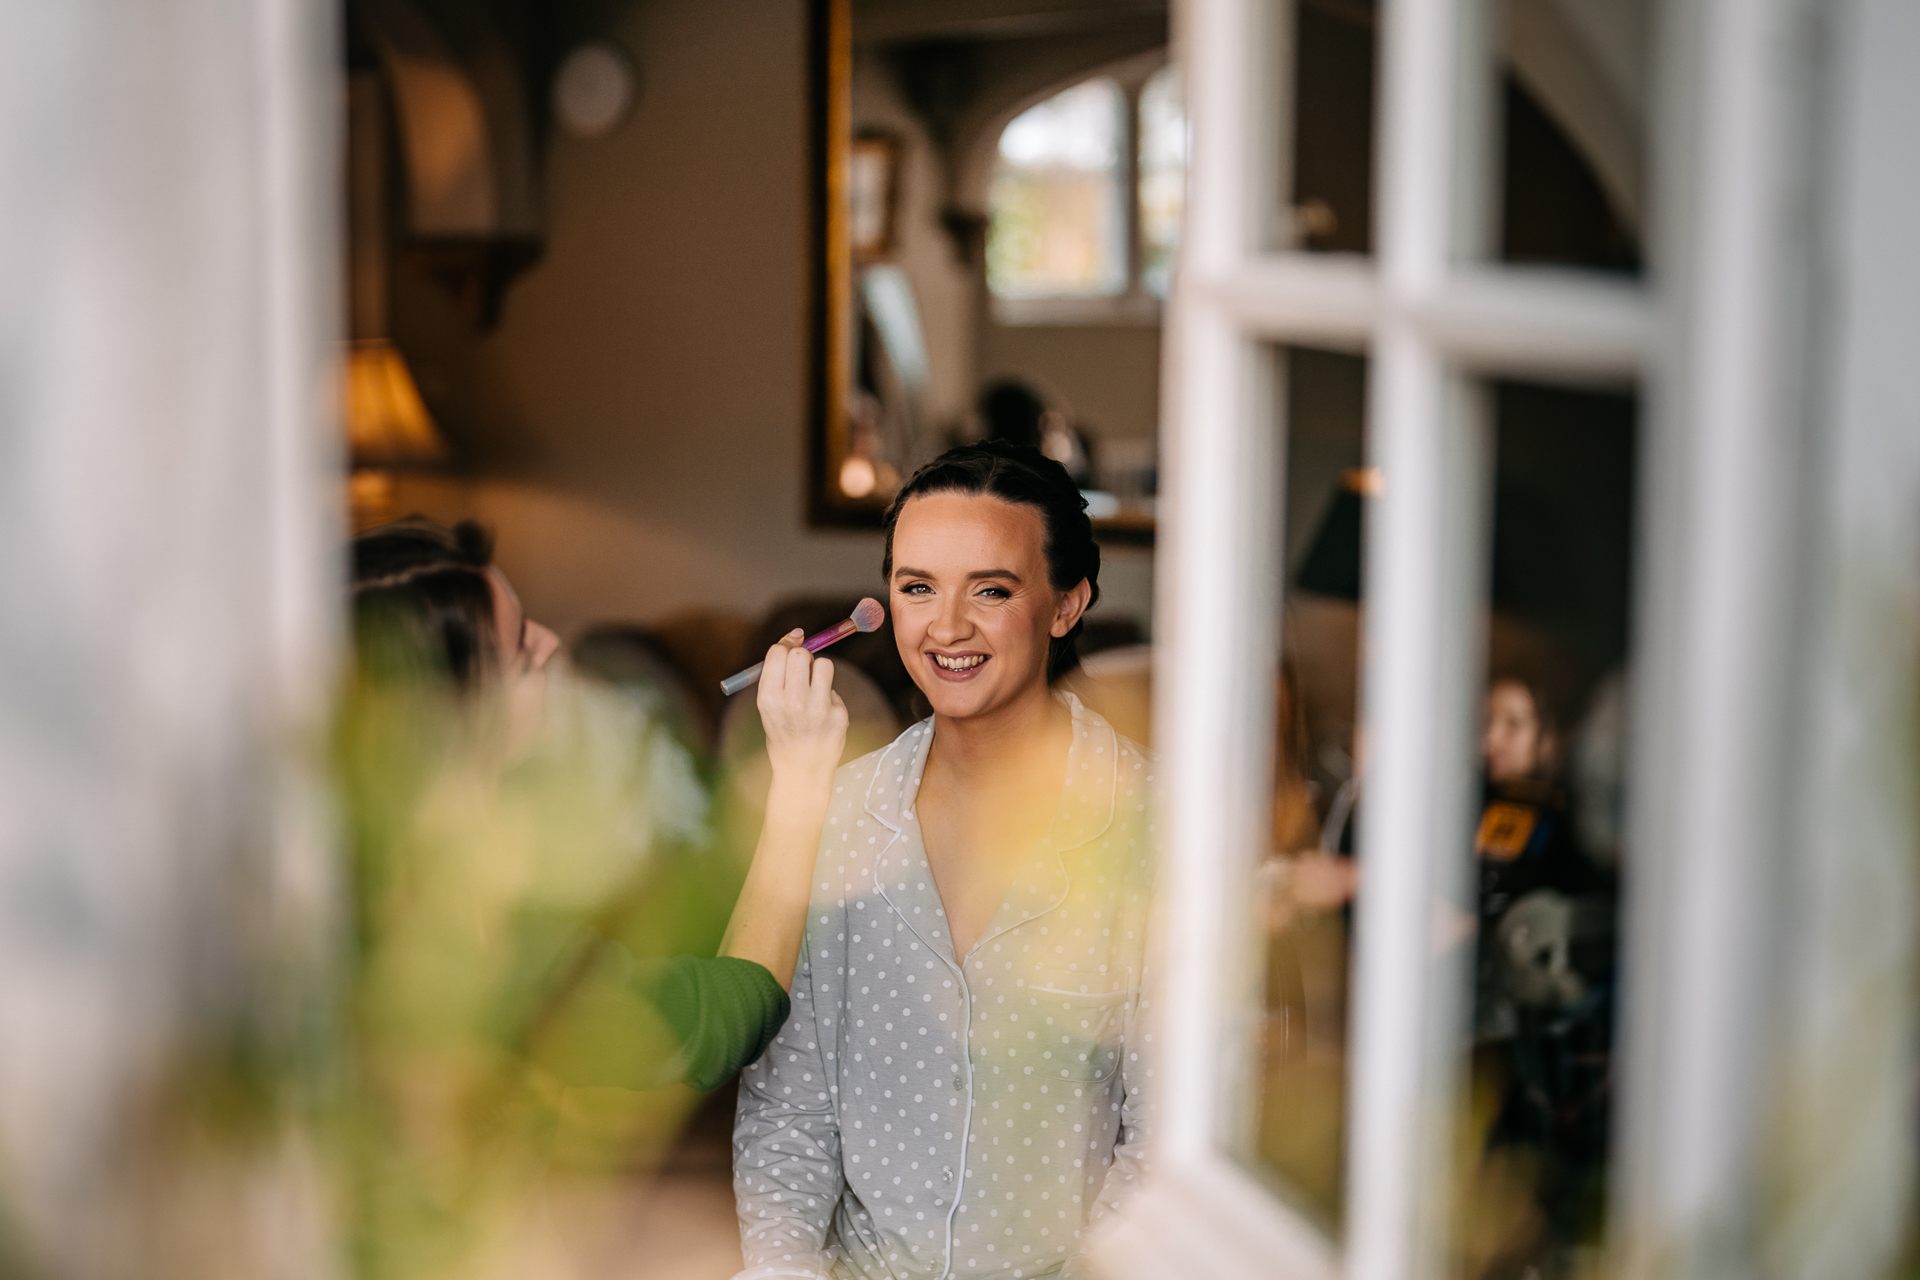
x: 957, y: 667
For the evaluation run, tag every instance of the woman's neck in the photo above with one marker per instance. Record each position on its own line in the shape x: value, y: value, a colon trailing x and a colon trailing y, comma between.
x: 1009, y: 742
x: 986, y: 801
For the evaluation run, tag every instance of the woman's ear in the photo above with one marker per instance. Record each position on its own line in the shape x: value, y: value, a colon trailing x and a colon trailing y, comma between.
x: 1073, y: 603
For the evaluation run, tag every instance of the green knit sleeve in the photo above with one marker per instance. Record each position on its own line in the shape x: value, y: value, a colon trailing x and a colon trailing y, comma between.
x: 725, y: 1011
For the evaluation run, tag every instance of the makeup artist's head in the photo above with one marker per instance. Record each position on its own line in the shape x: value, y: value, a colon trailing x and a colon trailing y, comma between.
x: 990, y: 565
x: 431, y: 598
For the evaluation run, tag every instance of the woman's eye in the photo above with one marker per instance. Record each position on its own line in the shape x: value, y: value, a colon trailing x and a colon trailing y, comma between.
x: 915, y: 589
x: 997, y: 593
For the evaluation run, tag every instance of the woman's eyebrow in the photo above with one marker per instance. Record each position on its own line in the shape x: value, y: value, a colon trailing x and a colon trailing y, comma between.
x: 1009, y: 575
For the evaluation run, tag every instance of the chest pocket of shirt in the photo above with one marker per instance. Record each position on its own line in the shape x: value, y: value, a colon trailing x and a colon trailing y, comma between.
x: 1079, y: 1020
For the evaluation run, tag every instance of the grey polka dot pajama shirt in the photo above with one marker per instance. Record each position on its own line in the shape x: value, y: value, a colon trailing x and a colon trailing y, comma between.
x: 920, y: 1115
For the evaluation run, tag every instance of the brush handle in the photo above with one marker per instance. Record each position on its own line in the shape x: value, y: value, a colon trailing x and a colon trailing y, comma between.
x: 812, y: 644
x: 832, y: 635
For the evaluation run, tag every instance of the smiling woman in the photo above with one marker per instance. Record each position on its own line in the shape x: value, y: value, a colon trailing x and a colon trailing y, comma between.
x: 977, y: 938
x: 1017, y: 477
x: 987, y: 601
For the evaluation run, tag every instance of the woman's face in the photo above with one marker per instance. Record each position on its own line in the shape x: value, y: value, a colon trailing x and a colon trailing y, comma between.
x: 525, y: 649
x: 1515, y: 747
x: 973, y: 609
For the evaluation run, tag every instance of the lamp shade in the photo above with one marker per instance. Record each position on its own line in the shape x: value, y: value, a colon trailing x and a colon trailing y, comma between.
x: 387, y: 422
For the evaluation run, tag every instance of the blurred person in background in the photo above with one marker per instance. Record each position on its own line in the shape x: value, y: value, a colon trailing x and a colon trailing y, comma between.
x: 1310, y: 867
x: 961, y: 1088
x: 1525, y: 840
x: 1543, y: 1007
x: 529, y: 855
x: 1305, y: 889
x: 1299, y: 878
x: 1013, y: 411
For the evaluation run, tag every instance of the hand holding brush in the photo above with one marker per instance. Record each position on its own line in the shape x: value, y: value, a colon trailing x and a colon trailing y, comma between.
x: 806, y: 727
x: 866, y: 616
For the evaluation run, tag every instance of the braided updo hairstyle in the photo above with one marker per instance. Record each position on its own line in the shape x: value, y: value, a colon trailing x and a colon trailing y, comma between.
x: 421, y: 594
x: 1024, y: 475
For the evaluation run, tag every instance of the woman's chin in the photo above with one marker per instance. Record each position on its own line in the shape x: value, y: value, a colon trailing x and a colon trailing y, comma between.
x: 968, y: 701
x: 956, y: 701
x: 974, y: 691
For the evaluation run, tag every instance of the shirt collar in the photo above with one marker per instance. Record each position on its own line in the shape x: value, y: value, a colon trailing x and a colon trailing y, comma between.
x: 1083, y: 815
x: 1086, y: 797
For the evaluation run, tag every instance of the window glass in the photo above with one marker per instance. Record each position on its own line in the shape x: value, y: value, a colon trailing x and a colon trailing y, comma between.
x: 1326, y: 202
x: 1556, y: 143
x: 1057, y: 222
x: 1536, y: 923
x: 1567, y: 99
x: 1532, y: 929
x: 1306, y: 883
x: 1163, y: 176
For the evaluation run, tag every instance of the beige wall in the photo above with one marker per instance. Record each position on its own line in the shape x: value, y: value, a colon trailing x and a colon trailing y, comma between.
x: 1108, y: 374
x: 635, y: 429
x: 637, y: 420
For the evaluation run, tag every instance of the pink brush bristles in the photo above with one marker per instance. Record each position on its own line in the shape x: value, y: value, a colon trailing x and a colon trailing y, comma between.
x: 866, y: 616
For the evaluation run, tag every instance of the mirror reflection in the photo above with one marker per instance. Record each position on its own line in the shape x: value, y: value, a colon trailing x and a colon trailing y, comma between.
x: 1000, y: 205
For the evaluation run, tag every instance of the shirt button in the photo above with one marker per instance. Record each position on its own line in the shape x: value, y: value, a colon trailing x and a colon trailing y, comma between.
x: 946, y: 1174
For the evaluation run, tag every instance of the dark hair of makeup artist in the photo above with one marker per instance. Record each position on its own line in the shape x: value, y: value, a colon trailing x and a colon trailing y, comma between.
x: 421, y: 598
x: 1016, y: 473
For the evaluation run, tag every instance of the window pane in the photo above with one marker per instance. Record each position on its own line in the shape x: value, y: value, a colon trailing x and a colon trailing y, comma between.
x: 1534, y: 925
x: 1532, y: 1138
x: 1305, y: 885
x: 1326, y: 202
x: 1163, y: 176
x: 1554, y: 150
x: 1058, y: 227
x: 1565, y: 150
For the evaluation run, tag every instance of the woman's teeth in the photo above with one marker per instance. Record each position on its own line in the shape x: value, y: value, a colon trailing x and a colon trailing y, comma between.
x: 959, y: 664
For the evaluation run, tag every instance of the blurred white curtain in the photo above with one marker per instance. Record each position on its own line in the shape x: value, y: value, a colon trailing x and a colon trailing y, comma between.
x: 167, y: 517
x: 1839, y: 1148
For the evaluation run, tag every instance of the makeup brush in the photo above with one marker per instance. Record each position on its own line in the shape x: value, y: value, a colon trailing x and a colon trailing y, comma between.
x: 867, y: 616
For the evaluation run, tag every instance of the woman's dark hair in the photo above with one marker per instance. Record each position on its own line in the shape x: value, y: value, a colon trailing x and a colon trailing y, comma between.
x: 1015, y: 473
x: 421, y: 596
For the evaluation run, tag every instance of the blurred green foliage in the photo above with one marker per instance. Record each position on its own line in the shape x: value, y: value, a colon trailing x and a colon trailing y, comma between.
x: 491, y: 1035
x: 418, y: 1041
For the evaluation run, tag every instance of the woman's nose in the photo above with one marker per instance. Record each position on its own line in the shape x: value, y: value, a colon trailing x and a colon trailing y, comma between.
x: 952, y: 623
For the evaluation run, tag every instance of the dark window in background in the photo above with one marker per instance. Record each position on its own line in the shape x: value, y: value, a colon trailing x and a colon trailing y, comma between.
x: 1553, y: 209
x: 1333, y: 126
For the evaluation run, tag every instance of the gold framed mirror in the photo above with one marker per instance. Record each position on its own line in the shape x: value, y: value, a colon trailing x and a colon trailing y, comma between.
x: 995, y: 191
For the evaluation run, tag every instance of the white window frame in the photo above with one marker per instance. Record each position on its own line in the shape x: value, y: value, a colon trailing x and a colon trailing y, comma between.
x: 1720, y: 343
